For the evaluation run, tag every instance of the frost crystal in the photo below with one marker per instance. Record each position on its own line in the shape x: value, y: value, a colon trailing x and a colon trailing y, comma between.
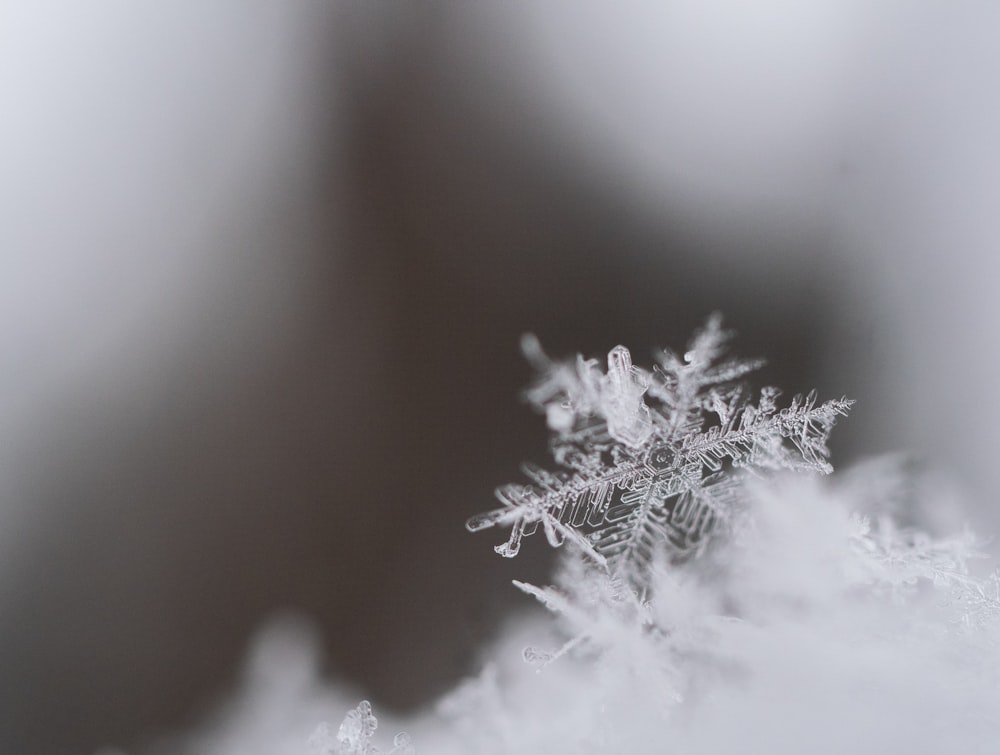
x: 651, y: 462
x: 354, y: 736
x: 897, y: 559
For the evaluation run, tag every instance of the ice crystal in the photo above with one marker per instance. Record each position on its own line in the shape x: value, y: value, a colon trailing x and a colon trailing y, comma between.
x: 354, y: 736
x: 652, y: 462
x: 600, y: 612
x: 979, y: 601
x: 898, y: 559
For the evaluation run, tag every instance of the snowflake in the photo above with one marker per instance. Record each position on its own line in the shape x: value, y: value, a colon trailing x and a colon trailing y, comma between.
x: 354, y: 736
x: 651, y: 462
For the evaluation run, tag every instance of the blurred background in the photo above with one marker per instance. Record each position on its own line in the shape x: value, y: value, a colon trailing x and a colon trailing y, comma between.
x: 264, y: 267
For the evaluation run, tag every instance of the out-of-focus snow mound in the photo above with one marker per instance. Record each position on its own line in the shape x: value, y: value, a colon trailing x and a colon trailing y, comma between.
x: 820, y: 625
x: 280, y: 699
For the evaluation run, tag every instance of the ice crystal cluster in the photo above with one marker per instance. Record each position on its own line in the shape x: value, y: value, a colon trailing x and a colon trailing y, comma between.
x: 652, y: 461
x: 354, y: 737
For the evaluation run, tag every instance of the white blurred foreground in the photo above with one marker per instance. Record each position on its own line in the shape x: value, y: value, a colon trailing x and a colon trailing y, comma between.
x: 822, y: 627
